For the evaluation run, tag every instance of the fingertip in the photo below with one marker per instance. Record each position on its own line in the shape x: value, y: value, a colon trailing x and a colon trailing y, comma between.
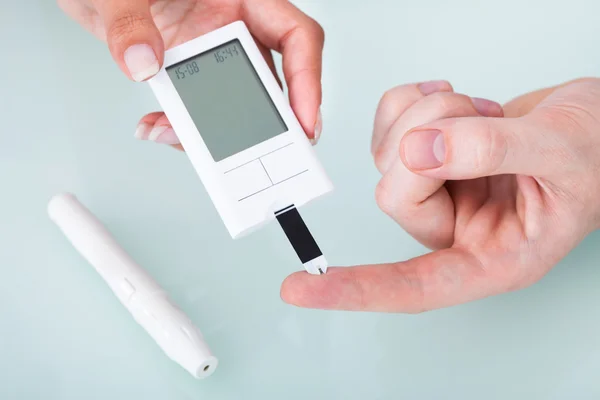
x: 141, y: 61
x: 318, y: 128
x: 283, y: 27
x: 178, y: 147
x: 146, y: 123
x: 133, y: 39
x: 153, y: 117
x: 294, y: 289
x: 430, y: 87
x: 302, y: 67
x: 155, y: 127
x: 487, y: 108
x: 286, y: 292
x: 304, y: 290
x: 305, y: 99
x: 142, y: 131
x: 423, y: 149
x: 163, y: 134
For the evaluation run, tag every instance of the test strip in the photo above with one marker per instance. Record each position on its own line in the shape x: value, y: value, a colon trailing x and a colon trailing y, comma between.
x: 302, y: 240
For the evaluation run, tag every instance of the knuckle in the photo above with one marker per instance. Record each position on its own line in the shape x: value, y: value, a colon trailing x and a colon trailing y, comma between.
x: 394, y: 101
x: 379, y: 156
x: 450, y: 104
x: 383, y: 197
x: 442, y: 103
x: 388, y: 110
x: 492, y: 150
x: 388, y: 104
x: 416, y: 219
x: 126, y: 23
x: 317, y: 31
x: 310, y: 31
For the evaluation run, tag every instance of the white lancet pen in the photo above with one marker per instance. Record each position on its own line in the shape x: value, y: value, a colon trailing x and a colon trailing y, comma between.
x: 147, y: 302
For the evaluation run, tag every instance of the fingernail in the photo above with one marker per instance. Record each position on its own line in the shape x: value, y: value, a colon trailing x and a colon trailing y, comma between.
x: 141, y: 62
x: 487, y: 108
x: 424, y: 149
x: 163, y: 135
x: 318, y: 129
x: 141, y: 130
x: 430, y: 87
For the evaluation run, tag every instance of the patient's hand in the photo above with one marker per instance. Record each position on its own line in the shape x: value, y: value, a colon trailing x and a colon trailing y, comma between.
x: 501, y: 199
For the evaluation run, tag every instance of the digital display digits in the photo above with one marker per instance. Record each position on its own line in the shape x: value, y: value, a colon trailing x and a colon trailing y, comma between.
x: 221, y: 55
x: 226, y: 99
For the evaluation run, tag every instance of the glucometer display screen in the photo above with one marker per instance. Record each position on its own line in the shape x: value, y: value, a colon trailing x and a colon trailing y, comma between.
x: 226, y: 100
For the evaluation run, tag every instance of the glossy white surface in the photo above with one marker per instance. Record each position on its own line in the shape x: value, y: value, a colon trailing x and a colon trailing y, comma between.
x: 243, y: 211
x: 138, y: 292
x: 68, y: 118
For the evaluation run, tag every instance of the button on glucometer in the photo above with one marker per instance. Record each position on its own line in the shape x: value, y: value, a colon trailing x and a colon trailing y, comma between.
x: 284, y: 164
x: 247, y: 180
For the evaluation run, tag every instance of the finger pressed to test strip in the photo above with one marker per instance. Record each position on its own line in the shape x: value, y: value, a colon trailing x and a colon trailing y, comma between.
x: 302, y: 240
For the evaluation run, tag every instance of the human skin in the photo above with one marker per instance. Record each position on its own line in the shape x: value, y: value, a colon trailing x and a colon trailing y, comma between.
x: 139, y: 31
x: 500, y: 195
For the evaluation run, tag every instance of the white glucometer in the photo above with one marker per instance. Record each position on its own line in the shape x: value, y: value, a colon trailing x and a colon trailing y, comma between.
x: 241, y: 135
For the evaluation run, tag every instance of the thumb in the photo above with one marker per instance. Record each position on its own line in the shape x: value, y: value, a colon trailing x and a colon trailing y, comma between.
x: 474, y: 147
x: 133, y: 39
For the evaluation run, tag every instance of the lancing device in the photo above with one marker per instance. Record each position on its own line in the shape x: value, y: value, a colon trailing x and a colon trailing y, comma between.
x: 147, y: 302
x: 241, y: 136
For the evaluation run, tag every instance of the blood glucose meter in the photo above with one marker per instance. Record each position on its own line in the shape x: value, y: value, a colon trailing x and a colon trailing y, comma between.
x: 241, y: 136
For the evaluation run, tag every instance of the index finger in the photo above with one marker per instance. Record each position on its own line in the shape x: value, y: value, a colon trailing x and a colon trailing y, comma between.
x: 436, y: 280
x: 281, y: 26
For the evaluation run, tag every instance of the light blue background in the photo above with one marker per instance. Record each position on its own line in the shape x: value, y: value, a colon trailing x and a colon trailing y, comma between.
x: 68, y: 117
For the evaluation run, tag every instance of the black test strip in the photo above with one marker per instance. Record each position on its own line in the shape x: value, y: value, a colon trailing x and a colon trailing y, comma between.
x: 298, y: 234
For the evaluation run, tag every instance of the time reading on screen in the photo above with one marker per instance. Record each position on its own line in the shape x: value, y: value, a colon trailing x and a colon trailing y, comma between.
x: 227, y: 52
x: 220, y: 55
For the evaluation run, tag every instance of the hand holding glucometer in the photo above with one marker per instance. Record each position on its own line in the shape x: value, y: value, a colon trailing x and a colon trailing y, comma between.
x: 138, y: 32
x: 242, y: 136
